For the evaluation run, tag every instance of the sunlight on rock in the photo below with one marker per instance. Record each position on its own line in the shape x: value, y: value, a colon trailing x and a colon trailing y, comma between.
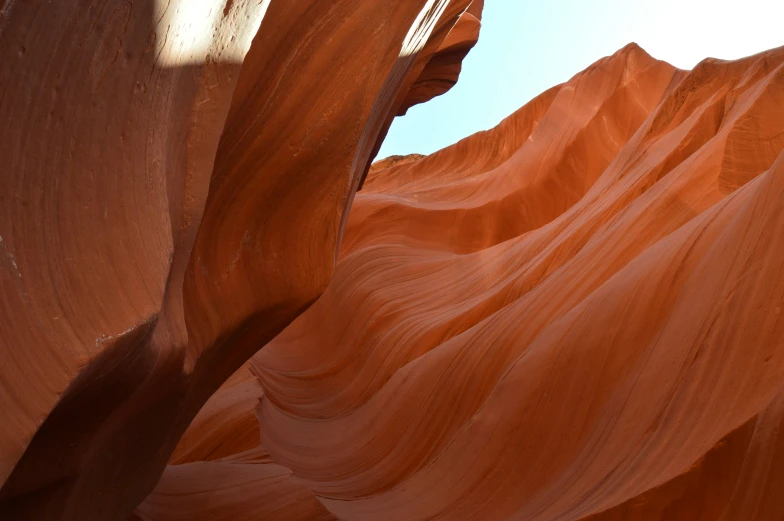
x: 198, y: 31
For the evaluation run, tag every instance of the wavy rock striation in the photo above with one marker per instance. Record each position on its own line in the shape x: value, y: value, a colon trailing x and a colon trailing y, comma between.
x: 576, y: 315
x: 158, y: 160
x: 220, y: 470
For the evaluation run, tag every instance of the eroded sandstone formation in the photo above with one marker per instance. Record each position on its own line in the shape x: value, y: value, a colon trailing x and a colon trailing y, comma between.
x: 576, y: 315
x: 444, y: 66
x: 176, y: 178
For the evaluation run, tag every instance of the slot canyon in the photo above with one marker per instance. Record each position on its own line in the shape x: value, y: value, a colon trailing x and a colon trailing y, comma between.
x: 216, y: 306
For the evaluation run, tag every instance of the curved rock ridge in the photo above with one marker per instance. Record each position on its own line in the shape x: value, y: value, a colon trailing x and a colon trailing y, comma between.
x: 158, y: 157
x: 576, y: 315
x: 443, y: 69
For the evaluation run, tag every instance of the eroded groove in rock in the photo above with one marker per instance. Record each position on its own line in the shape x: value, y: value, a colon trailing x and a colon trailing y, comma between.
x: 148, y: 164
x: 221, y: 471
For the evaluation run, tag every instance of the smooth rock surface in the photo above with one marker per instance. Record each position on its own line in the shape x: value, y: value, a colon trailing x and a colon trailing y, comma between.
x: 577, y: 315
x: 176, y: 179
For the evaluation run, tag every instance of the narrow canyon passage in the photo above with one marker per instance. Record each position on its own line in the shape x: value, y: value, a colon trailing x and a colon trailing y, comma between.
x: 214, y: 307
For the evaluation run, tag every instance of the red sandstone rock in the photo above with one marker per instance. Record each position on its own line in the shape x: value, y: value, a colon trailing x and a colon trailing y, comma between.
x: 443, y: 69
x: 577, y: 315
x: 221, y: 471
x: 171, y: 198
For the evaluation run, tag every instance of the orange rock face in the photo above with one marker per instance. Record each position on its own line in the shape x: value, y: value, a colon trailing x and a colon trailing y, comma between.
x: 176, y: 179
x: 577, y: 315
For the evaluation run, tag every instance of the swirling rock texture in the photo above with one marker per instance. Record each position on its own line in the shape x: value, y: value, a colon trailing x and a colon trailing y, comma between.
x: 220, y: 470
x: 577, y: 315
x: 175, y: 183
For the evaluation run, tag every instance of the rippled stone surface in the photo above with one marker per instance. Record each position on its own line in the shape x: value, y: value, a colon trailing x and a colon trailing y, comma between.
x: 576, y: 315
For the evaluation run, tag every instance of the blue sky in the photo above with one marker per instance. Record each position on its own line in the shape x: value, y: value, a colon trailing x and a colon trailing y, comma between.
x: 528, y: 46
